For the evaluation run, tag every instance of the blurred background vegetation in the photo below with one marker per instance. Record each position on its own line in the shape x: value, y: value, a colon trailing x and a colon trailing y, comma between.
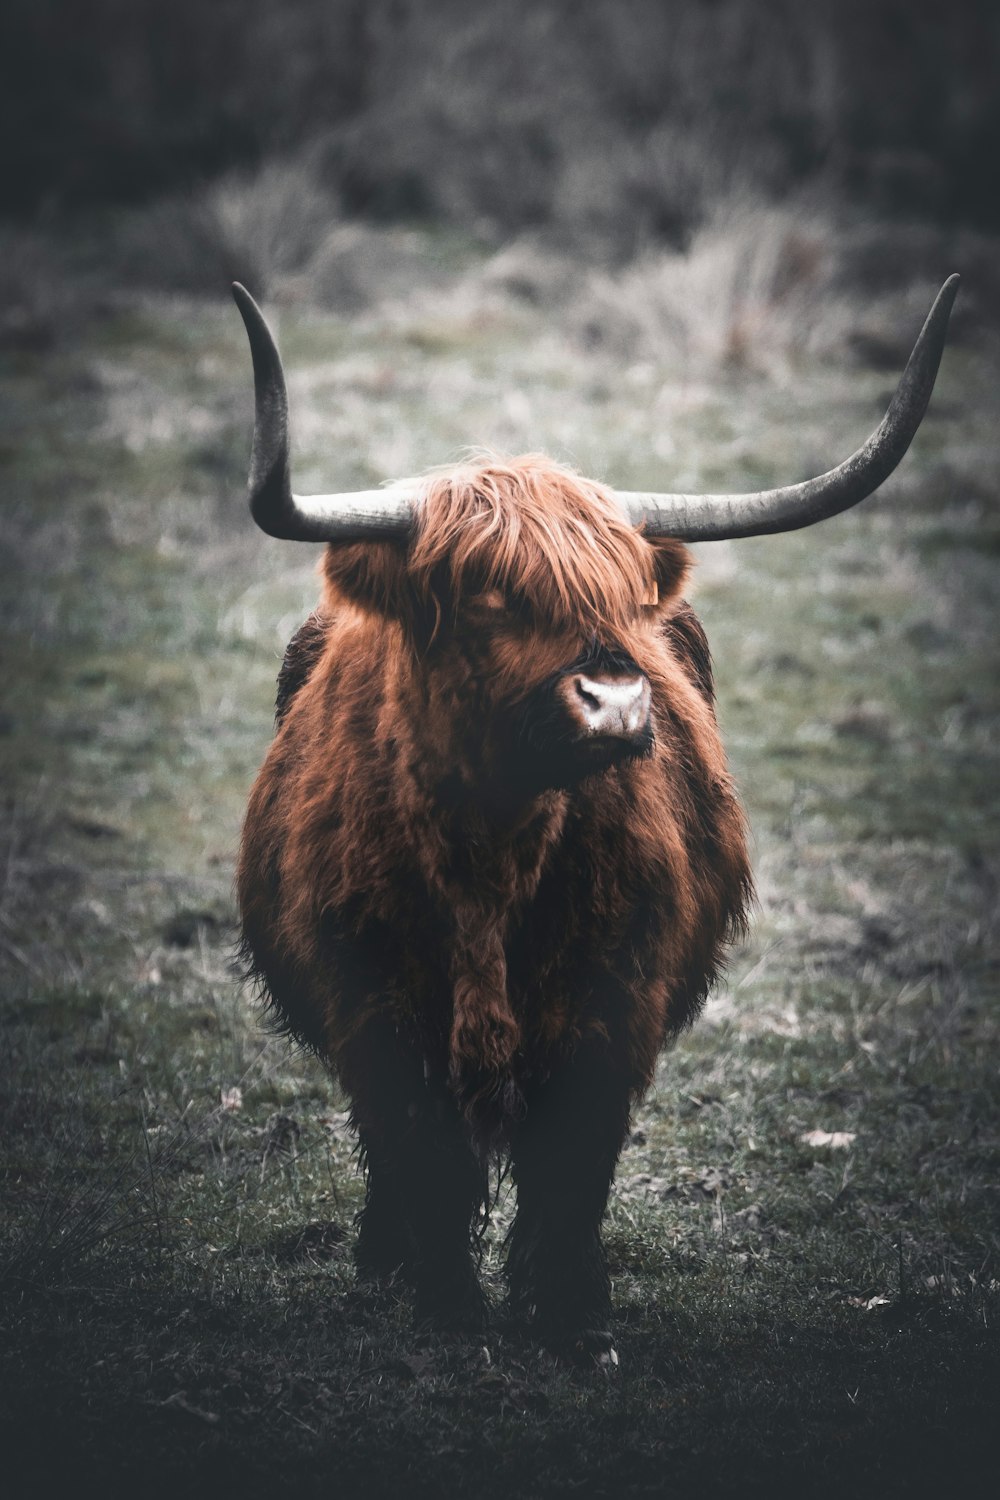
x: 622, y: 118
x: 730, y: 180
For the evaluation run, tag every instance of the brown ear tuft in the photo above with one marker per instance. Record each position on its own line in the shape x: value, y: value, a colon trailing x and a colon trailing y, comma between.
x: 375, y: 577
x: 371, y: 575
x: 672, y: 564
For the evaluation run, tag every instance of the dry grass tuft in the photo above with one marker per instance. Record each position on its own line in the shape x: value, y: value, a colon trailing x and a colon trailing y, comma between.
x: 253, y: 225
x: 759, y: 288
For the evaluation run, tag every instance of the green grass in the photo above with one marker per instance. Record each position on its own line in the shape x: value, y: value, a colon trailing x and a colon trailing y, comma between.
x: 179, y: 1309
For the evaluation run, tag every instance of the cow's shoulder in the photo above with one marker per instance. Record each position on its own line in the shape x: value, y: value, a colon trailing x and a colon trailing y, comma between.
x: 301, y: 655
x: 689, y: 643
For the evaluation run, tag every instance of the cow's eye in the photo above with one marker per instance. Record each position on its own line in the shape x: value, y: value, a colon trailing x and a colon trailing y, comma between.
x: 492, y: 601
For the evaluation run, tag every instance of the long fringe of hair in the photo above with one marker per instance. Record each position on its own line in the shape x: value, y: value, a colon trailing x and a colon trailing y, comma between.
x: 537, y: 531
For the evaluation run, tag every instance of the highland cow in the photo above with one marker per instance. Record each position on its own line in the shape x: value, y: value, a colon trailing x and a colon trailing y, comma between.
x: 494, y: 857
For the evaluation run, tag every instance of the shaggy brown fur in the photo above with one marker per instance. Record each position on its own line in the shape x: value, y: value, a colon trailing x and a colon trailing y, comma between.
x: 418, y: 880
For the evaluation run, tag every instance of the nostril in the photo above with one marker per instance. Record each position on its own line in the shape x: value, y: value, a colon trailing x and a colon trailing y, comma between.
x: 617, y: 692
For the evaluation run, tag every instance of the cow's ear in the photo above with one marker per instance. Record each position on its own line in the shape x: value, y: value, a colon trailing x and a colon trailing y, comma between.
x: 672, y: 563
x: 374, y: 577
x: 370, y: 575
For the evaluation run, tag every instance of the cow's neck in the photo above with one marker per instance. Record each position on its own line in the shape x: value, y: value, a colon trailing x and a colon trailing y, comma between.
x: 454, y: 771
x: 481, y: 844
x: 486, y: 871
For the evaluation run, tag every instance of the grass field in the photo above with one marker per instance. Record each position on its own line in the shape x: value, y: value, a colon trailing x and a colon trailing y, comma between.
x: 179, y: 1311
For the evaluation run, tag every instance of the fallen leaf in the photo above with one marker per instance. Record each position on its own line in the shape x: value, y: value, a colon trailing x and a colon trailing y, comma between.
x: 712, y: 1182
x: 751, y: 1217
x: 837, y: 1140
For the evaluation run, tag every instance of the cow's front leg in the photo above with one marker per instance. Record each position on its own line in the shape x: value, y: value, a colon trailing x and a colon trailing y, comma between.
x: 564, y: 1156
x: 425, y: 1186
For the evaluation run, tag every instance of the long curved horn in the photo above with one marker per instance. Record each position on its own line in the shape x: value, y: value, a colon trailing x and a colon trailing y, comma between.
x: 369, y: 514
x: 703, y: 518
x: 361, y: 516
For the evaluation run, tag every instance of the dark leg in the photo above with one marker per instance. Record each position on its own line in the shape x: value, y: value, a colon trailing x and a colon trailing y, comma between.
x: 426, y: 1187
x: 564, y: 1157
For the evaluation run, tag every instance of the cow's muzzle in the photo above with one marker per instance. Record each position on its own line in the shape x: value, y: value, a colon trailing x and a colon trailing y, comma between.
x: 593, y: 714
x: 607, y: 707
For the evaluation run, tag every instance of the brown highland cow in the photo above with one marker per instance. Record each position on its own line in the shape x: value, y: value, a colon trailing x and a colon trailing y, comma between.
x: 494, y: 857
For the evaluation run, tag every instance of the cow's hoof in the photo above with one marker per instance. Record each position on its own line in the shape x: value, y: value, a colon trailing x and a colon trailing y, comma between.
x: 594, y: 1348
x: 450, y: 1323
x: 380, y: 1254
x: 378, y: 1278
x: 458, y: 1309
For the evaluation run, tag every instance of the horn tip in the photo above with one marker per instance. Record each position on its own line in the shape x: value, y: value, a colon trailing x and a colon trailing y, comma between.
x: 244, y: 301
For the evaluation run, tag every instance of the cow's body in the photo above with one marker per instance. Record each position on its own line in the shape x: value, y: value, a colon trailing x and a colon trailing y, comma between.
x: 485, y: 921
x: 493, y: 858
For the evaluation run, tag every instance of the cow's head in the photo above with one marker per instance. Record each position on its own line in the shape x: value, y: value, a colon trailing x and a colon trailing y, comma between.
x: 530, y: 598
x: 529, y: 607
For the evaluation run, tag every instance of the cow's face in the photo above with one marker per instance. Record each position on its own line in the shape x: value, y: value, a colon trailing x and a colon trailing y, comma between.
x: 530, y: 615
x: 542, y: 704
